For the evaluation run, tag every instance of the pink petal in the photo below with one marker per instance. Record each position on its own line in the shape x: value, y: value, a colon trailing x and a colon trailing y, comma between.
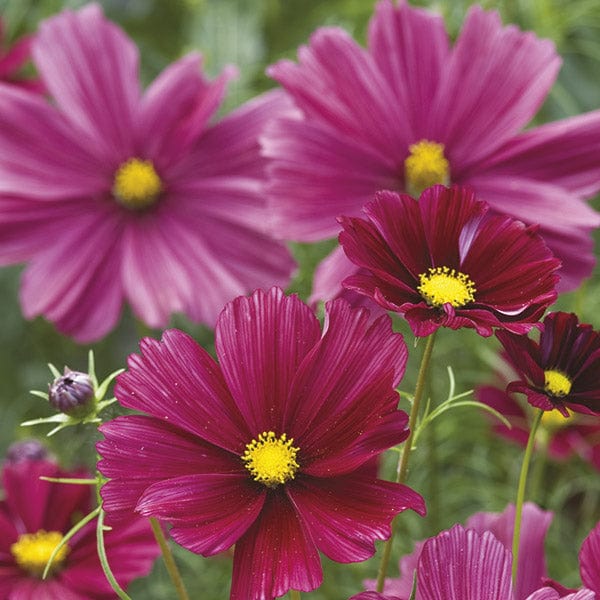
x: 209, y: 512
x: 589, y: 560
x: 138, y: 451
x: 551, y: 594
x: 99, y: 97
x: 410, y: 47
x: 347, y: 514
x: 30, y: 588
x: 275, y: 555
x: 177, y: 381
x: 496, y: 79
x: 461, y: 563
x: 260, y: 342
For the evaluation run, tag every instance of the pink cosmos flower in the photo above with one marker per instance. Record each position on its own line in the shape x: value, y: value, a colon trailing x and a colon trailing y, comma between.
x: 34, y: 516
x: 562, y: 370
x: 411, y: 111
x: 497, y: 532
x: 12, y: 61
x: 445, y: 260
x: 269, y: 449
x: 115, y: 195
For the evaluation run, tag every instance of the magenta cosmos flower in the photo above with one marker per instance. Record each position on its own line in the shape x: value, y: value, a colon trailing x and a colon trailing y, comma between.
x: 34, y: 516
x: 271, y: 448
x: 12, y: 61
x: 112, y: 194
x: 532, y: 563
x: 562, y: 370
x: 411, y: 111
x: 445, y: 260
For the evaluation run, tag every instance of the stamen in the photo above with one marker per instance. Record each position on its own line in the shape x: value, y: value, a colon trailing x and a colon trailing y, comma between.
x: 425, y: 166
x: 556, y: 383
x: 33, y: 550
x: 442, y: 285
x: 271, y: 460
x: 137, y: 184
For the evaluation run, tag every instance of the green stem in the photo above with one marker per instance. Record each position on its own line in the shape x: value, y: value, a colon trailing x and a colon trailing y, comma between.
x: 521, y: 493
x: 104, y: 560
x: 294, y: 595
x: 402, y: 469
x: 172, y: 569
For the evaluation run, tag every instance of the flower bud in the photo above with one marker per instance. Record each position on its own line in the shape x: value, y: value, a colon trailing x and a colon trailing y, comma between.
x: 26, y: 450
x: 72, y: 393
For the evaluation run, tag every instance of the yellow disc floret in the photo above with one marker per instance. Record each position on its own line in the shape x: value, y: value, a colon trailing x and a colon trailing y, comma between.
x: 33, y: 550
x: 270, y: 459
x: 556, y: 383
x: 442, y: 285
x: 137, y: 184
x: 425, y: 166
x: 553, y: 419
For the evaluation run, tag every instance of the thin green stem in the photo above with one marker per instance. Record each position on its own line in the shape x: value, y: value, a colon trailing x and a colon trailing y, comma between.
x: 170, y: 563
x: 104, y: 560
x: 402, y: 469
x: 521, y: 493
x: 294, y: 595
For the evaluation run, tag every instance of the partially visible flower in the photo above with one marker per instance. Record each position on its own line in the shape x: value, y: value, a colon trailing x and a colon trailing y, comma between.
x: 12, y: 61
x: 115, y: 195
x: 499, y: 526
x: 24, y: 450
x: 445, y: 260
x: 72, y: 393
x: 413, y: 110
x: 271, y: 448
x: 562, y: 370
x: 34, y: 516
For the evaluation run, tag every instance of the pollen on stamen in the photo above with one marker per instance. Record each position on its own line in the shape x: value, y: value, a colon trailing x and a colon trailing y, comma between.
x: 425, y: 166
x: 442, y: 285
x: 33, y: 550
x: 271, y: 460
x: 137, y: 184
x: 556, y: 383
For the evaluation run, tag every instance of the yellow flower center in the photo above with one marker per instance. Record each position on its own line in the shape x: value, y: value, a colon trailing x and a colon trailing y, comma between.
x: 553, y: 419
x: 137, y: 184
x: 271, y: 460
x: 556, y: 383
x: 425, y: 166
x: 33, y: 550
x: 442, y: 285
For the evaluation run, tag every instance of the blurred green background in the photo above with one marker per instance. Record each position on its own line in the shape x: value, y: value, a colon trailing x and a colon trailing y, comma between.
x: 475, y: 470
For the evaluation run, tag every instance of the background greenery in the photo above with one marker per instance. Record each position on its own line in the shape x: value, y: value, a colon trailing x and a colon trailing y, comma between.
x: 474, y: 470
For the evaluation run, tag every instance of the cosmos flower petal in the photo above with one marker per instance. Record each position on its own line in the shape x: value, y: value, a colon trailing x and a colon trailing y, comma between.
x: 36, y: 589
x: 260, y: 342
x: 138, y: 451
x: 357, y: 512
x: 177, y: 105
x: 98, y: 97
x: 589, y: 559
x: 361, y: 104
x: 275, y: 555
x: 476, y: 566
x: 548, y: 593
x: 410, y: 46
x: 178, y: 381
x: 209, y: 512
x: 65, y: 281
x: 316, y: 175
x: 508, y: 74
x: 374, y: 596
x: 534, y: 526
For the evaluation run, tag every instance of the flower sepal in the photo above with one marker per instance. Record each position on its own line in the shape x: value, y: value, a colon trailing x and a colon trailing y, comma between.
x: 78, y: 396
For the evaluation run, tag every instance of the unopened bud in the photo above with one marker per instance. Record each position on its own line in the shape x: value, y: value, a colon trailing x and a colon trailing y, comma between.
x: 26, y: 450
x: 72, y: 393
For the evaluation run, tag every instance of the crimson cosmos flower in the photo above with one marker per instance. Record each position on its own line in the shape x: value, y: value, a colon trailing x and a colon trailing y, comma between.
x: 446, y: 260
x: 115, y: 195
x: 270, y: 449
x: 34, y: 516
x: 412, y: 110
x: 560, y: 371
x: 12, y: 60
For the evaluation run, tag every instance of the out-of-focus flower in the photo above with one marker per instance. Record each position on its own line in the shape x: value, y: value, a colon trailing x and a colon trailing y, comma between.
x: 24, y: 450
x: 270, y: 449
x: 562, y: 370
x: 446, y: 261
x: 12, y: 61
x: 114, y: 195
x: 411, y: 111
x: 34, y: 516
